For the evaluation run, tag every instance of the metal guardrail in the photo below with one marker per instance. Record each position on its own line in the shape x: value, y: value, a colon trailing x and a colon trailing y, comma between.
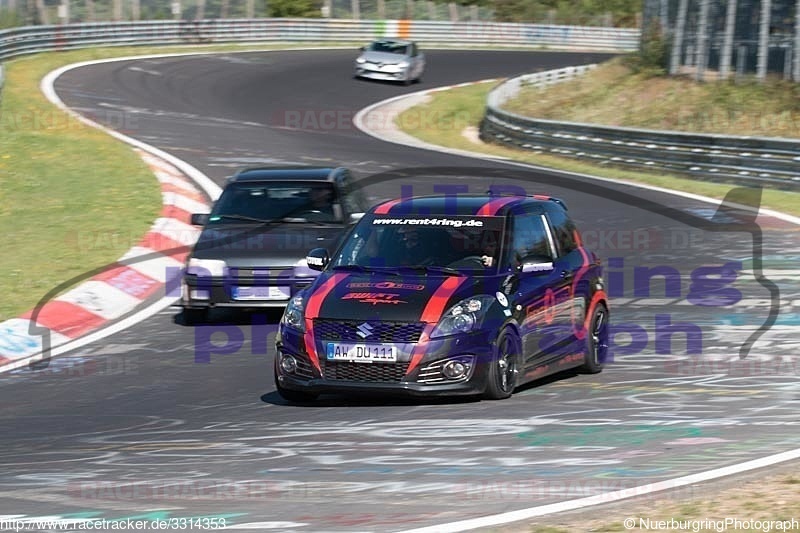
x: 767, y: 161
x: 32, y: 39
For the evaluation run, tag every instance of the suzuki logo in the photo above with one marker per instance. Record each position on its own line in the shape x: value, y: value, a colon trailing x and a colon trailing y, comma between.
x: 364, y: 330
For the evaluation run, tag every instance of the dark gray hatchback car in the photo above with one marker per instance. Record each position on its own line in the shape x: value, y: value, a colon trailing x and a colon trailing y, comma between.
x: 252, y: 249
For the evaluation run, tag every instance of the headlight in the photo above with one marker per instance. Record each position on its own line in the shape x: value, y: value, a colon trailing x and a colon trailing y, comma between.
x: 206, y: 267
x: 361, y: 60
x: 403, y: 64
x: 466, y: 315
x: 294, y: 314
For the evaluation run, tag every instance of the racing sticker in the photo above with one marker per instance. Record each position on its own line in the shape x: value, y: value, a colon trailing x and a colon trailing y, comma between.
x: 385, y: 285
x: 374, y: 298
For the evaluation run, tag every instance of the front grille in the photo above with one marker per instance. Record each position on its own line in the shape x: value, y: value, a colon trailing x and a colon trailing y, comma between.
x: 263, y: 275
x: 347, y: 330
x: 367, y: 372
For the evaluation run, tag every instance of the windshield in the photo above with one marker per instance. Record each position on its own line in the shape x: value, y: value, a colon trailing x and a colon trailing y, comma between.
x: 429, y: 243
x: 390, y: 47
x: 256, y: 202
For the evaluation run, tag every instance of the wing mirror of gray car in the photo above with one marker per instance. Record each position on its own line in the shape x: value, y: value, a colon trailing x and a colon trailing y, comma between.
x: 318, y: 259
x: 536, y: 264
x: 199, y: 219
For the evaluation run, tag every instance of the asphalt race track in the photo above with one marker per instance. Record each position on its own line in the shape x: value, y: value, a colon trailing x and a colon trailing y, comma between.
x: 136, y: 426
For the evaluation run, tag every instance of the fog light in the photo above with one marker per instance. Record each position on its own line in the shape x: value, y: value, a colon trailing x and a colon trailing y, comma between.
x: 455, y: 370
x: 198, y: 294
x: 288, y: 364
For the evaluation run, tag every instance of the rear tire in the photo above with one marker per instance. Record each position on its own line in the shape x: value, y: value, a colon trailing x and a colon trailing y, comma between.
x: 503, y: 374
x: 596, y: 341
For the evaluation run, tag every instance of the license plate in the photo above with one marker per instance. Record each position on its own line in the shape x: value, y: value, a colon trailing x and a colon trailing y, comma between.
x: 361, y: 353
x: 260, y: 293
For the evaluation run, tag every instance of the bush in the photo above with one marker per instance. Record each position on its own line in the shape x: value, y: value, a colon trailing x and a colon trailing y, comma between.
x: 652, y: 59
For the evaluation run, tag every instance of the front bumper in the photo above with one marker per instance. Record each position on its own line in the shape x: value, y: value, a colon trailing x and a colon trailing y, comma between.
x: 426, y: 379
x: 208, y: 292
x: 381, y: 73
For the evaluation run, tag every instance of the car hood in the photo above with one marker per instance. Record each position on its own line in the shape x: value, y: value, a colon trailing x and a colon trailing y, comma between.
x: 356, y: 296
x: 383, y: 57
x: 278, y: 246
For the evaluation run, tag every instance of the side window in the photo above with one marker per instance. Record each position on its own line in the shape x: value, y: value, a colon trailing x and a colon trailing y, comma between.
x: 564, y: 229
x: 528, y: 238
x: 352, y: 196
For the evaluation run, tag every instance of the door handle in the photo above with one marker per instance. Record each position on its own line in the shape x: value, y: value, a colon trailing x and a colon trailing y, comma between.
x: 567, y: 275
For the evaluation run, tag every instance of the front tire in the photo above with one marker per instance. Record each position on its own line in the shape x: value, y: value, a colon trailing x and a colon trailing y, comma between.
x: 196, y: 315
x: 293, y: 396
x: 596, y: 341
x: 501, y: 380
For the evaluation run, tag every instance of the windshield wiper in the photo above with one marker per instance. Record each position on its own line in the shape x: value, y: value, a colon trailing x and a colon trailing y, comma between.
x: 245, y: 217
x: 354, y: 268
x: 431, y: 268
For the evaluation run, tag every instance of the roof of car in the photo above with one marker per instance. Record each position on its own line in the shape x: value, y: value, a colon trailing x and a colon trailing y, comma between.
x: 284, y: 173
x: 471, y: 205
x: 390, y: 40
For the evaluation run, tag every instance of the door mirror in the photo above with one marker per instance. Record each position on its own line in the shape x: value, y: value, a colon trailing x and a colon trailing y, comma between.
x: 199, y: 219
x: 318, y: 259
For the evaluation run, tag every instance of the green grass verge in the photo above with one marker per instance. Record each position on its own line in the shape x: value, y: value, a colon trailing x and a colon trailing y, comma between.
x: 444, y: 118
x: 614, y: 95
x: 72, y: 198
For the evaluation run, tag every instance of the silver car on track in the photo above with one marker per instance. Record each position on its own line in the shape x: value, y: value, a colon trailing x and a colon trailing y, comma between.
x: 391, y: 60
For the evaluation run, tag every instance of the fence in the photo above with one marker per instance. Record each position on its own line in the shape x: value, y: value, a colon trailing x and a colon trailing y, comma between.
x: 30, y: 12
x: 33, y: 39
x: 713, y: 39
x: 744, y: 160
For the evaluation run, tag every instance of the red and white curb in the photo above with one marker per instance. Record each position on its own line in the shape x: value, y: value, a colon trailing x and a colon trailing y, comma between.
x: 121, y: 287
